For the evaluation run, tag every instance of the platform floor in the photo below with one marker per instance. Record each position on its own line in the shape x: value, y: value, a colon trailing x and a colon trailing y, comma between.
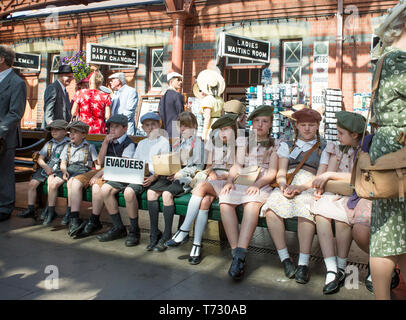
x: 89, y: 269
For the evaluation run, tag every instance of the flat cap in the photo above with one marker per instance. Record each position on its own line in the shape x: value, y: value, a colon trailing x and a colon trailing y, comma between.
x: 79, y: 126
x: 351, y: 121
x: 119, y: 119
x: 234, y: 106
x: 226, y: 120
x: 306, y: 115
x: 173, y: 75
x: 150, y: 116
x: 57, y: 124
x: 263, y: 110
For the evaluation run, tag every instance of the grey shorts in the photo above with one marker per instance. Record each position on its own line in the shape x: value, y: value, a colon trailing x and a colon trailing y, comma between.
x: 117, y: 185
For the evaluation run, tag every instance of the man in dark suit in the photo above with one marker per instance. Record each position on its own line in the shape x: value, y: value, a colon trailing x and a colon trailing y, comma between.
x: 56, y: 98
x: 13, y: 94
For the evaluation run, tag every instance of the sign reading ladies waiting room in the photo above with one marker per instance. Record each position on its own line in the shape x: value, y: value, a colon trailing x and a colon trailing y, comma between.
x: 244, y: 48
x: 113, y: 56
x: 27, y: 61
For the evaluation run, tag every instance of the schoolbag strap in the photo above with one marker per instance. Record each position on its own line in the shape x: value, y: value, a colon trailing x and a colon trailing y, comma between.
x: 86, y: 154
x: 69, y: 149
x: 49, y: 151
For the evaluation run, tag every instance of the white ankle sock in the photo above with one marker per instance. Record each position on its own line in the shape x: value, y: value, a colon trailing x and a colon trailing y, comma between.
x: 195, y: 252
x: 283, y: 254
x: 303, y: 259
x: 331, y: 265
x: 341, y: 263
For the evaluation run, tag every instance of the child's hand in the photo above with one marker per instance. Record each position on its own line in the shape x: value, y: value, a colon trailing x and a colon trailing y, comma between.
x: 93, y: 181
x: 171, y: 178
x: 251, y: 191
x: 177, y: 176
x: 148, y: 180
x: 48, y: 170
x: 109, y: 138
x: 212, y: 176
x: 283, y: 187
x: 227, y: 188
x: 292, y: 191
x: 317, y: 194
x: 65, y: 176
x: 320, y: 181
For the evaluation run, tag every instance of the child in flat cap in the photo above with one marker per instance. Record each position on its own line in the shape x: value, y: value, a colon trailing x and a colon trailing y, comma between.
x: 291, y: 199
x: 259, y: 154
x: 221, y: 157
x: 49, y: 161
x: 192, y: 155
x: 77, y: 158
x: 116, y: 144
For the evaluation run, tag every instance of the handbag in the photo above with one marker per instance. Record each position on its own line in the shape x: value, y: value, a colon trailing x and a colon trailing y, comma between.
x: 166, y: 164
x: 387, y: 177
x: 247, y: 176
x: 290, y: 176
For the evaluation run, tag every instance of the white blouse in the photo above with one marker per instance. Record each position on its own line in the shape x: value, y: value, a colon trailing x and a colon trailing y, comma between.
x: 301, y: 146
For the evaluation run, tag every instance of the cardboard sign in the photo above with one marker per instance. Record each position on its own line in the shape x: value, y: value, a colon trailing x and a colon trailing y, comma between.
x: 113, y: 56
x: 27, y: 61
x: 244, y: 48
x: 124, y: 170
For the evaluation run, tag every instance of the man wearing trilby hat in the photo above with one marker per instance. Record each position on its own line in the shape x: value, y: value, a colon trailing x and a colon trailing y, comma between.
x: 56, y: 99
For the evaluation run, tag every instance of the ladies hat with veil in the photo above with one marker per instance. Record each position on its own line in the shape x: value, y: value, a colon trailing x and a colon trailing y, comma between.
x: 210, y: 83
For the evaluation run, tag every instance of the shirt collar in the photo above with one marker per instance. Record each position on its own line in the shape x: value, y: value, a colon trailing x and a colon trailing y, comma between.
x: 121, y: 139
x: 300, y: 143
x: 84, y: 142
x: 65, y: 139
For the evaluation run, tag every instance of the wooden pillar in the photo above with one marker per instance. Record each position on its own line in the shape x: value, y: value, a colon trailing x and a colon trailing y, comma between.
x: 178, y: 34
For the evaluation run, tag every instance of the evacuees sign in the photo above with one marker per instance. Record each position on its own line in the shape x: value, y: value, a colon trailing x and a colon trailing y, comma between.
x: 244, y: 48
x: 124, y: 170
x: 114, y: 56
x: 27, y: 61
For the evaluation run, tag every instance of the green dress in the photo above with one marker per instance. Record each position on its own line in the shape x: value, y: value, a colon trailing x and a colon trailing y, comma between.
x: 388, y: 217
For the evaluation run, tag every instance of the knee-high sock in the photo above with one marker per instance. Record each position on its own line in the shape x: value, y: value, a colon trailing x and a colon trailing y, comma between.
x: 191, y: 213
x: 200, y: 226
x: 153, y: 210
x: 169, y: 212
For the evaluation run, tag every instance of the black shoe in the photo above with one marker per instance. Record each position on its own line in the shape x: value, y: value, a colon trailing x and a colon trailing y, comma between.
x: 341, y: 276
x: 173, y: 243
x: 4, y: 216
x: 28, y: 213
x: 160, y: 246
x: 113, y: 234
x: 43, y: 214
x: 66, y: 218
x: 90, y: 228
x: 395, y: 279
x: 236, y: 270
x: 368, y: 283
x: 289, y: 267
x: 302, y: 274
x: 49, y: 218
x: 196, y: 259
x: 133, y: 238
x: 332, y: 286
x: 75, y: 226
x: 153, y: 241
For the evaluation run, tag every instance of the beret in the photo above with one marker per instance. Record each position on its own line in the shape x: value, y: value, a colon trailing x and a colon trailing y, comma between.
x: 226, y: 120
x: 234, y: 106
x: 351, y: 121
x: 119, y: 119
x: 57, y: 124
x: 79, y: 126
x: 306, y: 115
x: 150, y: 116
x: 263, y: 110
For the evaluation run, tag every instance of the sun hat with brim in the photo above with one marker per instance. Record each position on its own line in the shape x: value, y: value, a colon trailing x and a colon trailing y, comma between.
x: 57, y: 124
x: 234, y: 106
x: 79, y: 126
x: 208, y: 79
x: 306, y: 115
x: 65, y: 68
x: 226, y: 120
x: 351, y: 121
x: 119, y: 119
x: 261, y: 111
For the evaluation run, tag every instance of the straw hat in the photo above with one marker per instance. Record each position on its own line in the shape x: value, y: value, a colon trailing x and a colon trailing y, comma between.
x: 197, y: 92
x: 392, y: 15
x: 208, y: 79
x: 297, y: 107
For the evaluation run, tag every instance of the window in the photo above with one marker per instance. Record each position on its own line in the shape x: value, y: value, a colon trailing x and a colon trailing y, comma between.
x: 156, y: 72
x: 55, y: 60
x: 243, y: 77
x: 238, y: 62
x: 292, y: 57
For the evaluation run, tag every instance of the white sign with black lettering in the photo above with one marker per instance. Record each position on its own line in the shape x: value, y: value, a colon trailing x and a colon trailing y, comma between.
x: 124, y: 170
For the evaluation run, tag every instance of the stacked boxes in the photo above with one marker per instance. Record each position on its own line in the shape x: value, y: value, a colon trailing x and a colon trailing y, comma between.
x: 333, y: 103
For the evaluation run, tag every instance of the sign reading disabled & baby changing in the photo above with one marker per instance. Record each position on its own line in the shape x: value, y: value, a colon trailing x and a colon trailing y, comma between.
x: 114, y: 56
x: 124, y: 170
x: 240, y: 47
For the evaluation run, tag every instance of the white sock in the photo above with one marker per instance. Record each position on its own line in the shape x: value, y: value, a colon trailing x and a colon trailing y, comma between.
x: 303, y: 259
x: 195, y: 252
x: 283, y: 254
x: 331, y: 265
x: 341, y: 263
x: 191, y: 213
x: 369, y: 277
x: 200, y: 226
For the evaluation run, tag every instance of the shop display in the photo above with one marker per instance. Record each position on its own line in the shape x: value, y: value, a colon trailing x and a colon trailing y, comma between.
x: 333, y: 100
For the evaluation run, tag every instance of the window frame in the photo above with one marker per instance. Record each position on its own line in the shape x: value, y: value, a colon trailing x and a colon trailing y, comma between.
x: 285, y: 64
x: 152, y: 68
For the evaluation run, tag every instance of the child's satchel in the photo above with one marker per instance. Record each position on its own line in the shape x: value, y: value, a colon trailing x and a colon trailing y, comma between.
x: 247, y: 176
x: 290, y: 176
x: 166, y: 164
x: 387, y: 177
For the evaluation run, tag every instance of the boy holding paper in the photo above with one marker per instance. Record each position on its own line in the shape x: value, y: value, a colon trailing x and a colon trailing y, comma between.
x: 116, y: 144
x: 146, y: 148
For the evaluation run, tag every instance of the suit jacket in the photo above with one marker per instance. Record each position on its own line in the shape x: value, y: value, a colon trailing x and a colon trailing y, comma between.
x: 56, y: 105
x: 13, y: 95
